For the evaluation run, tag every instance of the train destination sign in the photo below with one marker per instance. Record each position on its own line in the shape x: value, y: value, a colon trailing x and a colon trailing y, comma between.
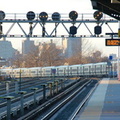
x: 112, y: 42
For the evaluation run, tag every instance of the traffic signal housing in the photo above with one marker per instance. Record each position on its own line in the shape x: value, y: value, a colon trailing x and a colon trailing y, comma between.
x: 73, y: 30
x: 97, y: 30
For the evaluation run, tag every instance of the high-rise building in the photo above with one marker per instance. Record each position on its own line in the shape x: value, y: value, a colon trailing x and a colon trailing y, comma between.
x: 6, y: 49
x: 27, y: 46
x: 71, y: 46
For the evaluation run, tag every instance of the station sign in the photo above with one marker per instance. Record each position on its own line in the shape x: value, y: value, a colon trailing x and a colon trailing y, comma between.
x: 112, y: 42
x: 115, y: 1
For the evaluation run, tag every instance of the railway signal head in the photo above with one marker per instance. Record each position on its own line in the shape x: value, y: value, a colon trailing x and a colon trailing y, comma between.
x: 97, y: 30
x: 73, y: 30
x: 73, y: 15
x: 56, y: 16
x: 2, y: 15
x: 98, y: 15
x: 43, y: 16
x: 30, y: 15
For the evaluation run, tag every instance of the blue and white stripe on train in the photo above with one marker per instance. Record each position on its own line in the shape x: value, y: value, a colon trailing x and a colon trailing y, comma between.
x: 81, y: 70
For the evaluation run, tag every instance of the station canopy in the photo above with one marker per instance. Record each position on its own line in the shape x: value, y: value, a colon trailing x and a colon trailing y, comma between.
x: 109, y: 7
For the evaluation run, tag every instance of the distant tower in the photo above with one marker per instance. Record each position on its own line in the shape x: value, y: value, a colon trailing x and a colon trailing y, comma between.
x: 6, y: 49
x: 71, y: 46
x: 27, y: 46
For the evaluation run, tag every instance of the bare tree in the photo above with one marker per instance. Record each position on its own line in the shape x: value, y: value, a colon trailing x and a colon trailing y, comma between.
x: 88, y: 54
x: 47, y: 55
x: 50, y: 55
x: 17, y: 60
x: 84, y: 50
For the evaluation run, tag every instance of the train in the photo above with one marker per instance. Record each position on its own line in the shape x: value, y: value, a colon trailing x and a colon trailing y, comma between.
x: 80, y: 70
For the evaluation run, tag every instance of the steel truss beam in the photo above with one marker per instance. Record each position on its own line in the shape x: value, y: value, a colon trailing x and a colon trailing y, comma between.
x: 82, y: 21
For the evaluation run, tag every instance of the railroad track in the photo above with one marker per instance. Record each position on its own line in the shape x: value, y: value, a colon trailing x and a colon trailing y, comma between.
x: 70, y: 110
x: 25, y: 84
x: 52, y: 106
x: 28, y: 98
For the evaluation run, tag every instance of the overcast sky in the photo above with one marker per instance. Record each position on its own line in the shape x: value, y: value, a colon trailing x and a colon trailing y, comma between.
x: 63, y: 6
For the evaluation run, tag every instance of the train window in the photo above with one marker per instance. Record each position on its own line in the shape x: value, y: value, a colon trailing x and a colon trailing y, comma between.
x: 74, y: 69
x: 67, y: 70
x: 85, y: 69
x: 32, y: 71
x: 98, y: 68
x: 3, y: 73
x: 47, y: 71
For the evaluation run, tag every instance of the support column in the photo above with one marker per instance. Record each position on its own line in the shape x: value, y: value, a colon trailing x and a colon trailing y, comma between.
x: 7, y: 87
x: 50, y: 87
x: 16, y: 86
x: 119, y: 54
x: 8, y: 98
x: 62, y: 85
x: 44, y: 91
x: 34, y: 89
x: 56, y: 84
x: 22, y: 101
x: 20, y: 80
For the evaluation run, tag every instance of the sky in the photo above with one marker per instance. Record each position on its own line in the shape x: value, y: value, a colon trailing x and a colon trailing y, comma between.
x: 50, y: 6
x: 63, y: 6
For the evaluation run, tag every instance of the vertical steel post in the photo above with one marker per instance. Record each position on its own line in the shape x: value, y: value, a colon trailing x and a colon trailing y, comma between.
x: 8, y: 98
x: 7, y: 87
x: 20, y: 80
x: 56, y: 84
x: 61, y: 82
x: 16, y: 86
x: 22, y: 101
x: 50, y: 87
x: 34, y: 89
x: 44, y: 91
x: 118, y: 54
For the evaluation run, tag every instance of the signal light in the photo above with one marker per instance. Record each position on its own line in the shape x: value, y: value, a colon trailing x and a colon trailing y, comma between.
x: 98, y: 15
x: 73, y: 30
x: 56, y: 16
x: 2, y: 15
x: 30, y: 15
x: 43, y: 16
x: 73, y: 15
x: 97, y: 30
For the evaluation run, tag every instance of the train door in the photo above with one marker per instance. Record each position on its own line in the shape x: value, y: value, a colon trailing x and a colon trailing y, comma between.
x: 57, y: 71
x: 71, y: 72
x: 43, y: 72
x: 77, y: 71
x: 89, y: 70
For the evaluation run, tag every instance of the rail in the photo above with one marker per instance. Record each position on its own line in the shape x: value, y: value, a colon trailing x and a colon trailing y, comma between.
x: 82, y: 103
x: 27, y: 104
x: 53, y: 100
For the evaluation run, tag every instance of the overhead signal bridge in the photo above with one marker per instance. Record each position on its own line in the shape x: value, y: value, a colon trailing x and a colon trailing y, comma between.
x: 43, y: 19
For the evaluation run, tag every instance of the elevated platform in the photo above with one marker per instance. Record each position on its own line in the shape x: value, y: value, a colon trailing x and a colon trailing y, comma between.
x: 104, y: 104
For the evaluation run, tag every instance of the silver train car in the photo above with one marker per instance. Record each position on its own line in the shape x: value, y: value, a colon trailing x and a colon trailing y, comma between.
x: 80, y: 70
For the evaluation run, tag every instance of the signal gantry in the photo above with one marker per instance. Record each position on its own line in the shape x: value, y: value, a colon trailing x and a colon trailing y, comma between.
x: 43, y: 19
